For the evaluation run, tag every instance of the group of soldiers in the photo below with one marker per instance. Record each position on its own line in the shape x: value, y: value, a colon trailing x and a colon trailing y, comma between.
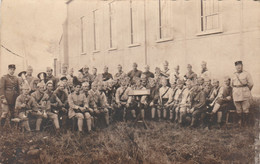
x: 187, y: 100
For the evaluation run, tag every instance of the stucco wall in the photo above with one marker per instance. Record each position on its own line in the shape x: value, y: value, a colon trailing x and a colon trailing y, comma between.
x: 239, y: 40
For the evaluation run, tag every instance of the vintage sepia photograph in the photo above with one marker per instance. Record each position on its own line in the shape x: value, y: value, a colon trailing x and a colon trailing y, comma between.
x: 129, y: 81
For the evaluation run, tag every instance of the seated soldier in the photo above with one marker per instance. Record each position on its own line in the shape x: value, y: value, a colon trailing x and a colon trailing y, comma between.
x: 24, y: 105
x: 98, y: 101
x: 164, y: 93
x: 153, y: 98
x: 198, y: 106
x: 42, y: 102
x: 79, y: 107
x: 223, y: 101
x: 122, y: 99
x: 213, y: 93
x: 63, y: 105
x: 138, y: 102
x: 52, y: 108
x: 184, y: 102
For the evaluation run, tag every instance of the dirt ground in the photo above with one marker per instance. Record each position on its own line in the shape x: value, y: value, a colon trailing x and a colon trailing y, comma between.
x: 122, y: 143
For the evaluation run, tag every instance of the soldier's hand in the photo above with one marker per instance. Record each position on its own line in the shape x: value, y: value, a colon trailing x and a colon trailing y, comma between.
x: 64, y: 109
x: 4, y: 101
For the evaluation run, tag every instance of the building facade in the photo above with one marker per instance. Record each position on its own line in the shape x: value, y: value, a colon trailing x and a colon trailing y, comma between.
x: 99, y: 33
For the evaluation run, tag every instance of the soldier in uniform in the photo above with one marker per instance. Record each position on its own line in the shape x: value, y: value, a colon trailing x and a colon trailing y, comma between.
x: 198, y: 104
x: 147, y: 72
x: 164, y: 93
x: 79, y: 108
x: 94, y: 75
x: 190, y: 75
x: 50, y: 76
x: 84, y: 75
x: 63, y: 104
x: 122, y: 99
x: 204, y: 71
x: 134, y: 73
x: 120, y: 73
x: 98, y: 101
x: 174, y: 77
x: 223, y: 101
x: 106, y: 76
x: 153, y: 98
x: 42, y: 103
x: 24, y: 105
x: 158, y: 76
x: 9, y: 91
x: 242, y: 84
x: 213, y: 92
x: 53, y: 108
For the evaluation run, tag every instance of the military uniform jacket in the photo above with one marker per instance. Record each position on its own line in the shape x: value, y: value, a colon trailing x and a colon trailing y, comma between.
x: 242, y: 83
x: 190, y: 75
x: 9, y: 88
x: 133, y: 74
x: 106, y: 76
x: 148, y: 75
x: 62, y: 96
x: 122, y: 95
x: 119, y: 75
x: 53, y: 79
x: 154, y: 95
x: 75, y: 101
x: 23, y: 99
x: 41, y: 100
x: 199, y: 100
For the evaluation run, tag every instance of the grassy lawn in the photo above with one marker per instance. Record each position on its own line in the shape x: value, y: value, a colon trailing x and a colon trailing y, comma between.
x: 122, y: 143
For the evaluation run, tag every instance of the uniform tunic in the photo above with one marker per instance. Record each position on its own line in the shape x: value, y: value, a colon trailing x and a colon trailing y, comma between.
x: 76, y: 100
x: 125, y: 97
x: 9, y: 89
x: 241, y: 90
x: 23, y: 99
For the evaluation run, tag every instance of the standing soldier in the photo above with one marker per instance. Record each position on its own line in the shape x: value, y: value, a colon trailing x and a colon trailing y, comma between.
x: 134, y: 73
x: 242, y: 85
x: 84, y: 75
x: 9, y: 91
x: 106, y: 76
x: 190, y: 75
x: 174, y: 77
x: 50, y: 76
x: 120, y: 74
x: 204, y: 70
x: 147, y: 72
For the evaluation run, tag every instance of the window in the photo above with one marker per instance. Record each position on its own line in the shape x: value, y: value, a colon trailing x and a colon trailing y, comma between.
x: 112, y: 24
x: 135, y: 22
x: 210, y: 16
x: 96, y: 30
x: 165, y: 12
x: 82, y: 36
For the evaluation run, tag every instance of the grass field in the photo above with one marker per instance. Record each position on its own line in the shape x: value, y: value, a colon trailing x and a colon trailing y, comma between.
x: 121, y: 143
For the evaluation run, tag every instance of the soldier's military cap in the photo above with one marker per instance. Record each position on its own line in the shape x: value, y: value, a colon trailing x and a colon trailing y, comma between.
x: 41, y: 84
x: 215, y: 80
x: 60, y: 83
x: 146, y: 66
x: 49, y: 69
x: 65, y: 65
x: 189, y: 66
x: 238, y: 62
x: 29, y: 67
x: 203, y: 62
x: 135, y: 64
x: 42, y: 74
x: 63, y: 78
x: 119, y: 65
x: 105, y: 67
x: 177, y: 67
x: 21, y: 73
x: 10, y: 66
x: 165, y: 63
x: 49, y: 82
